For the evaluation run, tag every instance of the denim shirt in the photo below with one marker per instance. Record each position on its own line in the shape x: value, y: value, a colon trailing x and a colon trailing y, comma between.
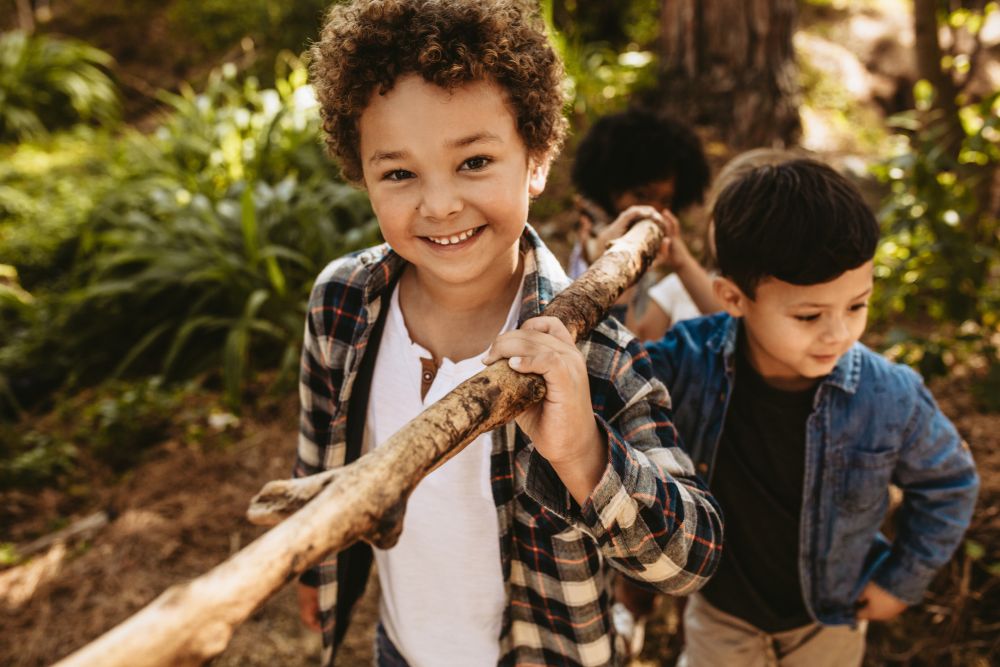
x: 873, y: 423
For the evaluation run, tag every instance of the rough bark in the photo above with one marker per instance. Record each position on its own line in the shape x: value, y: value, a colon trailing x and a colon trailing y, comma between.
x: 192, y: 622
x: 929, y: 55
x: 730, y: 64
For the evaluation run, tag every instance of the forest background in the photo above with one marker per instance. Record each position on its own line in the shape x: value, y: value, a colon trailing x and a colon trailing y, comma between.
x: 165, y: 204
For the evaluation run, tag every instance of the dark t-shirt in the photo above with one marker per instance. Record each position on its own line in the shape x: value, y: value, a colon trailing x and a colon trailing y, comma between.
x: 757, y: 480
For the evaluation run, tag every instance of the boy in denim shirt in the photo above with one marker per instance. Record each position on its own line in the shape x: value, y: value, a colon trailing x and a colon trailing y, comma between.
x: 800, y: 429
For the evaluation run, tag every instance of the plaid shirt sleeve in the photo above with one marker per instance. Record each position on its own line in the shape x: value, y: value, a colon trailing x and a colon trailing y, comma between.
x: 651, y: 517
x: 329, y: 326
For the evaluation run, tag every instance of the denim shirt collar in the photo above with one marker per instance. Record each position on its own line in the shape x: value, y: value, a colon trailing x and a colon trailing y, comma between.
x: 844, y: 376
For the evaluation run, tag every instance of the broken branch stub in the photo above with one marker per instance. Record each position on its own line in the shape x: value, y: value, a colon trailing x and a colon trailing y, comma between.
x: 192, y: 622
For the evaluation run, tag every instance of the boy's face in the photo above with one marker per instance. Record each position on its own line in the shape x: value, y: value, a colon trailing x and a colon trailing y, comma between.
x: 658, y: 194
x: 449, y: 177
x: 795, y: 334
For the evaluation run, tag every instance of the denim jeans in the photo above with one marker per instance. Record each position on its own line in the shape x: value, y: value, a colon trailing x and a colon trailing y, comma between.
x: 386, y: 654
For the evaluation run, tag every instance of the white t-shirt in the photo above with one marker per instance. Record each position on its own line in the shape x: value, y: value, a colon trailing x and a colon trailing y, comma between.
x: 442, y: 585
x: 670, y: 295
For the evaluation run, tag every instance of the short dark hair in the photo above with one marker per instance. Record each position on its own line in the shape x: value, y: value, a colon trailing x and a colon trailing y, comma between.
x: 366, y: 45
x: 629, y: 149
x: 799, y: 221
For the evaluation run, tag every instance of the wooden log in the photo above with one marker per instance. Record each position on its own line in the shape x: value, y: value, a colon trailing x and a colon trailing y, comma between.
x: 192, y: 622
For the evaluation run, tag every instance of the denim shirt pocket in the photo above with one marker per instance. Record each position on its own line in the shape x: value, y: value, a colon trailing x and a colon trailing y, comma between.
x: 863, y: 478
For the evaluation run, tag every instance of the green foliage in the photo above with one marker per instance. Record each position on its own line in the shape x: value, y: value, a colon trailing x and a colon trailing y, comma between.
x: 601, y: 73
x: 200, y: 255
x: 113, y: 426
x: 9, y: 555
x: 47, y: 190
x: 48, y: 83
x: 215, y: 244
x: 939, y: 261
x: 127, y: 420
x: 36, y: 459
x: 217, y: 25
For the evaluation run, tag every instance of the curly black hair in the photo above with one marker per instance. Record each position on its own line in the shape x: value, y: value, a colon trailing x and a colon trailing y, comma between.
x: 630, y: 149
x: 366, y: 45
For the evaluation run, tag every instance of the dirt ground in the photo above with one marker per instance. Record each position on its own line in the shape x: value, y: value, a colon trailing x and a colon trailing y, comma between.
x: 181, y: 512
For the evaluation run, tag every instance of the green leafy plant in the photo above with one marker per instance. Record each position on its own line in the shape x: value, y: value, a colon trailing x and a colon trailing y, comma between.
x: 129, y: 418
x: 601, y: 74
x: 36, y: 459
x: 48, y: 83
x: 201, y: 255
x: 938, y: 266
x: 48, y: 189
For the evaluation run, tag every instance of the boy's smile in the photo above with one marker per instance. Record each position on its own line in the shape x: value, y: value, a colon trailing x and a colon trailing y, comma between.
x: 795, y: 334
x: 450, y: 180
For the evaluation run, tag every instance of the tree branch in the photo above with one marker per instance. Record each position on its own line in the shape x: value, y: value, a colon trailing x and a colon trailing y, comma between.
x: 192, y: 622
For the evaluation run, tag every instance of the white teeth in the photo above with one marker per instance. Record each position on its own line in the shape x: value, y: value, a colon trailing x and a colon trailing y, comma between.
x: 454, y: 238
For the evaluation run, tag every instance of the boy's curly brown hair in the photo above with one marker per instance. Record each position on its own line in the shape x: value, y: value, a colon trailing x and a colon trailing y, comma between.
x: 366, y: 45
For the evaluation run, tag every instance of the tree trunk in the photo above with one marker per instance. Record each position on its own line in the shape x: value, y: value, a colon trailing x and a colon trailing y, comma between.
x: 25, y: 16
x: 929, y: 54
x: 192, y: 622
x: 730, y: 64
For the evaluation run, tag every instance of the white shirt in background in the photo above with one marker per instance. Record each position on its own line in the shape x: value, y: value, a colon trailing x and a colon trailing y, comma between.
x: 669, y: 294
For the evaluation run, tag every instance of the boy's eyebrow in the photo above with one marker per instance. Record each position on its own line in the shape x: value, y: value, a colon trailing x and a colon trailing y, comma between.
x: 821, y: 305
x: 381, y: 156
x: 474, y: 138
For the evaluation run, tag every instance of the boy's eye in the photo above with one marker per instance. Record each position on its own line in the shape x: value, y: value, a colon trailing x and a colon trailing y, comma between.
x: 475, y: 163
x: 397, y: 175
x: 807, y: 318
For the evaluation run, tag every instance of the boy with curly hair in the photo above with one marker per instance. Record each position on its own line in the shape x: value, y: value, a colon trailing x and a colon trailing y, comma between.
x: 637, y: 157
x: 448, y: 113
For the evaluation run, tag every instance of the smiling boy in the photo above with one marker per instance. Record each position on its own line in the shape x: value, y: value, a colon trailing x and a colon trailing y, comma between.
x: 448, y: 114
x: 800, y: 429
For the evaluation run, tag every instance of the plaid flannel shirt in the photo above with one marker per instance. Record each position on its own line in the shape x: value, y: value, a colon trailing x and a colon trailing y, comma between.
x: 648, y: 517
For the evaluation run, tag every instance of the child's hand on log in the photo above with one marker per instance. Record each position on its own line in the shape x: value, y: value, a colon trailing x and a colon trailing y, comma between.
x: 629, y: 217
x: 562, y: 426
x: 674, y: 254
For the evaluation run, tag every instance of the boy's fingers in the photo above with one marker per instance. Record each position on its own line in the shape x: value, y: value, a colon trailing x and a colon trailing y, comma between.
x: 550, y: 335
x: 634, y: 214
x: 625, y: 220
x: 670, y: 223
x: 543, y: 363
x: 548, y: 325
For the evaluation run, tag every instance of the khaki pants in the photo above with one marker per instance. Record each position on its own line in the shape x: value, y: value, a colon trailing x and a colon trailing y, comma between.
x: 713, y: 638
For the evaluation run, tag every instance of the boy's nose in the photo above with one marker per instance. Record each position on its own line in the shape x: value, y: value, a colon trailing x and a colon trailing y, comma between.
x: 438, y: 201
x: 836, y: 330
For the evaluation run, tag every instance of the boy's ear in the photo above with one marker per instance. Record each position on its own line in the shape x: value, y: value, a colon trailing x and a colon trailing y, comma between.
x: 538, y: 175
x: 731, y: 297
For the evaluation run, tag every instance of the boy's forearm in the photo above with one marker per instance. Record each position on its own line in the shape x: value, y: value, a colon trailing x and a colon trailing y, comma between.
x: 581, y: 474
x: 647, y: 512
x: 698, y: 284
x: 653, y: 519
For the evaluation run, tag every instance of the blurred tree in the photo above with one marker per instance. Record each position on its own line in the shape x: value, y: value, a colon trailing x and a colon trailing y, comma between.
x: 25, y: 16
x: 731, y: 64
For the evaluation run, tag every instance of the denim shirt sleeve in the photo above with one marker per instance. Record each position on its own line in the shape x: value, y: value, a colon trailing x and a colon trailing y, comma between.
x: 649, y: 514
x: 936, y: 472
